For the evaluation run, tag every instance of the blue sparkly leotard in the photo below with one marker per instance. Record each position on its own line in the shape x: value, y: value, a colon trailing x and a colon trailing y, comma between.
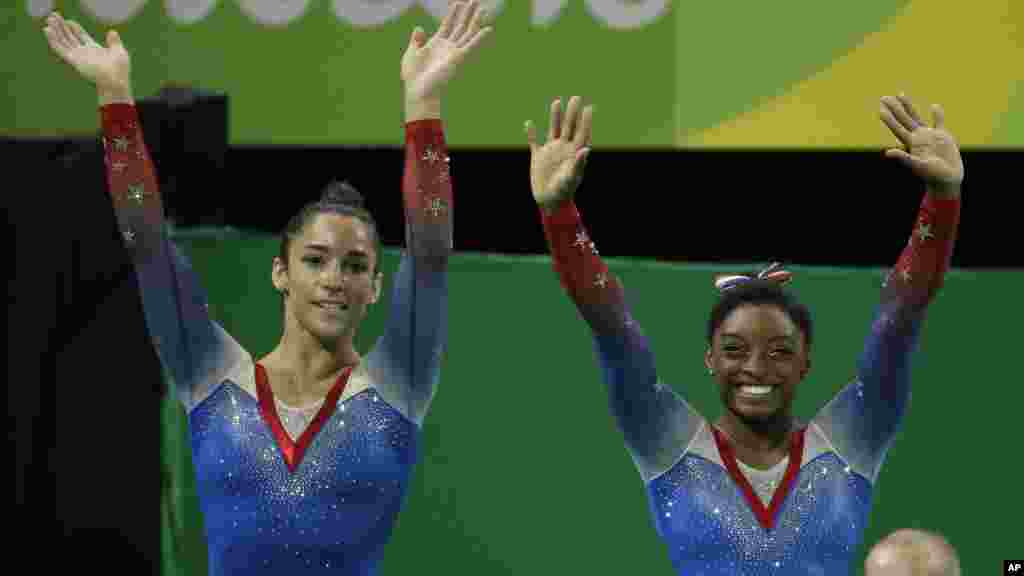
x: 276, y: 498
x: 716, y: 518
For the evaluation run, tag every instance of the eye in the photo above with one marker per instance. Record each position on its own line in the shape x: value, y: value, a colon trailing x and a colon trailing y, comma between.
x: 781, y: 353
x: 733, y: 350
x: 358, y: 267
x: 313, y: 260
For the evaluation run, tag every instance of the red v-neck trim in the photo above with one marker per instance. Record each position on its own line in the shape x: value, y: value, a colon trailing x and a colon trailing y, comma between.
x: 766, y: 516
x: 293, y: 451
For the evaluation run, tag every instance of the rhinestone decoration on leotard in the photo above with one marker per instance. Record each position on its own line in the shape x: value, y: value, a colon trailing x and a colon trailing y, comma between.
x: 707, y: 523
x: 333, y: 514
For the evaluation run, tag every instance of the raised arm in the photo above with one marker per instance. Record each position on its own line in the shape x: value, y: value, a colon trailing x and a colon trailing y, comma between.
x: 406, y: 362
x: 657, y: 423
x: 864, y: 417
x: 195, y: 351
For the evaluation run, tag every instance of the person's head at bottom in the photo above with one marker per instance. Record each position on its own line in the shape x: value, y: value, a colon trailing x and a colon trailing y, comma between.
x: 912, y: 553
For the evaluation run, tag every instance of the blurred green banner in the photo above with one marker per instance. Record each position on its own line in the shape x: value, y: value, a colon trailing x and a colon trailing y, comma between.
x: 801, y: 73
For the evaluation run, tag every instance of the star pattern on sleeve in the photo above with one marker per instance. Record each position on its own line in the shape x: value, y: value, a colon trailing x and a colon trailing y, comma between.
x: 137, y: 193
x: 924, y: 231
x: 429, y: 155
x: 436, y: 206
x: 121, y: 144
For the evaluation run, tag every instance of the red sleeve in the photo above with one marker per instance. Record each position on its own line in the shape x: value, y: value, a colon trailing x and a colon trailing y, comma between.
x: 921, y: 268
x: 585, y: 277
x: 131, y: 180
x: 427, y: 192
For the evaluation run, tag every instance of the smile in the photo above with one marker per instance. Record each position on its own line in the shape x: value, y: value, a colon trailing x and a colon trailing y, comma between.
x: 332, y: 306
x: 754, y: 392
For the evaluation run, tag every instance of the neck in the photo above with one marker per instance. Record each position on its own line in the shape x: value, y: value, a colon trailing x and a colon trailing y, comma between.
x: 767, y: 437
x: 310, y: 361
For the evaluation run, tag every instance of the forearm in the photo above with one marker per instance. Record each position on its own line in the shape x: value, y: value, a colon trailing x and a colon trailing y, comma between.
x: 427, y: 195
x: 920, y: 271
x: 597, y: 293
x: 416, y: 110
x: 131, y: 179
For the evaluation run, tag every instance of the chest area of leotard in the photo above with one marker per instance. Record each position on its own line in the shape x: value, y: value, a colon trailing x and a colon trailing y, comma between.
x: 710, y: 528
x: 364, y: 452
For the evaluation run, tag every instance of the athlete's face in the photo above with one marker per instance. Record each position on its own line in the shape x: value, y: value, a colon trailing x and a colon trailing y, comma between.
x: 758, y: 356
x: 329, y: 279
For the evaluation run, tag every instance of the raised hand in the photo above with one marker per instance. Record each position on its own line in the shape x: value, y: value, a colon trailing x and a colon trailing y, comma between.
x: 931, y: 152
x: 556, y: 167
x: 108, y: 67
x: 428, y: 65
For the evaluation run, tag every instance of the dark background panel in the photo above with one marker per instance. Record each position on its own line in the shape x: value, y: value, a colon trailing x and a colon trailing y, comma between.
x: 801, y: 206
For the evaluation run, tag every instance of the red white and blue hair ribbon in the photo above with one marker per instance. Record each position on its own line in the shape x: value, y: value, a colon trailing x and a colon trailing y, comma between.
x: 773, y: 273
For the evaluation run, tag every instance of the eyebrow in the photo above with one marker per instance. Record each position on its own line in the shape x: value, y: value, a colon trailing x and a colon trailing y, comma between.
x: 324, y: 248
x: 734, y: 335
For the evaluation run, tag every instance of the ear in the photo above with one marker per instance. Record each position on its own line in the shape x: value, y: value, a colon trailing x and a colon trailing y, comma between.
x: 806, y: 367
x: 378, y: 283
x: 708, y: 363
x: 279, y: 274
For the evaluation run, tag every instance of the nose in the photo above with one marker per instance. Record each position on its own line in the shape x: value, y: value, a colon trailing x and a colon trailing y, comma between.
x: 756, y: 365
x: 333, y: 279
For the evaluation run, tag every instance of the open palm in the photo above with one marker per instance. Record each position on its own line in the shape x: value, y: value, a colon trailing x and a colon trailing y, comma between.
x: 556, y: 167
x: 930, y: 151
x: 109, y: 67
x: 428, y: 65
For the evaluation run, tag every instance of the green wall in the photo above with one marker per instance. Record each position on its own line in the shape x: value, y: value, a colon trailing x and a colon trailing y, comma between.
x: 523, y: 471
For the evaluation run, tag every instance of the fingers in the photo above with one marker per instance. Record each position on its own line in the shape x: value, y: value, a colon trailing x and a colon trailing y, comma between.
x: 555, y: 126
x: 909, y: 107
x: 449, y: 20
x: 940, y: 117
x: 476, y: 39
x: 58, y: 40
x: 80, y: 33
x: 59, y: 25
x: 55, y: 40
x: 418, y: 38
x: 67, y: 27
x: 571, y: 119
x: 913, y: 162
x: 113, y: 39
x: 894, y: 126
x: 462, y: 28
x: 896, y: 107
x: 531, y: 135
x: 472, y: 29
x: 583, y: 134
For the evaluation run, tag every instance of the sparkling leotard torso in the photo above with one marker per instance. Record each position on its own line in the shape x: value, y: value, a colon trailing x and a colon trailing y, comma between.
x: 334, y: 511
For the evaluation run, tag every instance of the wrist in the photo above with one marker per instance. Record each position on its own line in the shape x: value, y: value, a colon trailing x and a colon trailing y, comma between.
x: 554, y: 206
x: 943, y: 191
x: 422, y: 110
x: 115, y: 95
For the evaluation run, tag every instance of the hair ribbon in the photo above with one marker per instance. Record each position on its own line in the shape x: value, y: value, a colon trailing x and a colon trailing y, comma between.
x: 773, y: 273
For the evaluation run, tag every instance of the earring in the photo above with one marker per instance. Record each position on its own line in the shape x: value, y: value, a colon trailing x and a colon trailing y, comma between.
x: 711, y: 371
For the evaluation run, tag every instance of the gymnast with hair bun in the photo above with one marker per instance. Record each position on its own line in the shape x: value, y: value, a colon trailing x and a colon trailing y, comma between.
x: 303, y: 458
